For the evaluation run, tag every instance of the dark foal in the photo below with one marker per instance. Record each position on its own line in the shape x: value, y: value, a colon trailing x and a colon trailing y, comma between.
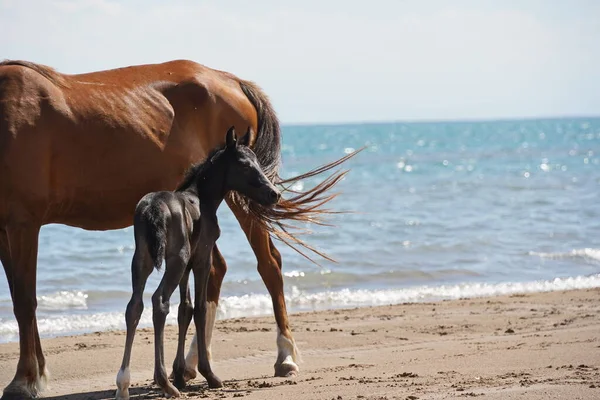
x: 181, y: 228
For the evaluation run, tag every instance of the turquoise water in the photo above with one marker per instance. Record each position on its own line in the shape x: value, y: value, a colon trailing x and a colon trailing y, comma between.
x: 444, y: 210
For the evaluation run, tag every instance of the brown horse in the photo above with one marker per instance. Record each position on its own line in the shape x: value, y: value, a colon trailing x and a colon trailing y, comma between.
x: 81, y: 150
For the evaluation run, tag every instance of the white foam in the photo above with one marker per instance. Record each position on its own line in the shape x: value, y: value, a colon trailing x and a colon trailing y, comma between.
x: 67, y: 324
x: 260, y: 304
x: 586, y: 253
x: 63, y: 300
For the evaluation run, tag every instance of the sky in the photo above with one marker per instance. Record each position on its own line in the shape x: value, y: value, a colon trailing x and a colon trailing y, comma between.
x: 328, y: 61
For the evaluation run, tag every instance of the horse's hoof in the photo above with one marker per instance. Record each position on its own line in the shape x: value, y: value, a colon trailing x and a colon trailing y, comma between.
x: 190, y: 373
x: 214, y: 382
x: 171, y: 391
x: 287, y: 369
x: 22, y: 391
x: 15, y: 396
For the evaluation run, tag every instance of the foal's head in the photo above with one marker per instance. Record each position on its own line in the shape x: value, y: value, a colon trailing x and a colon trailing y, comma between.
x: 242, y: 172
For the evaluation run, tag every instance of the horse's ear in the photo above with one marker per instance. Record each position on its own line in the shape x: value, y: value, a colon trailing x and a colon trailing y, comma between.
x: 231, y: 138
x: 245, y: 140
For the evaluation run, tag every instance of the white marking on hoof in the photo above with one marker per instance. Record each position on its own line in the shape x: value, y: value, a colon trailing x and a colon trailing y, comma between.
x: 123, y: 381
x: 191, y: 359
x: 42, y: 383
x: 288, y: 356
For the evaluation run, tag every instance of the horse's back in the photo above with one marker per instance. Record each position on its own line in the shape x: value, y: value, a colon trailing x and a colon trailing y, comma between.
x: 114, y: 97
x: 99, y: 141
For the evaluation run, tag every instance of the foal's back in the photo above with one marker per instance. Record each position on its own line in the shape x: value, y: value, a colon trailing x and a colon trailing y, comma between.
x: 163, y: 223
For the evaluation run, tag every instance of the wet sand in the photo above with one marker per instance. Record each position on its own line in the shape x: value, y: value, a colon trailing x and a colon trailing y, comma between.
x: 534, y: 346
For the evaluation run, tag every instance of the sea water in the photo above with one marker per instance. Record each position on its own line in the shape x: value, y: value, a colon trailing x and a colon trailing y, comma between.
x: 439, y: 211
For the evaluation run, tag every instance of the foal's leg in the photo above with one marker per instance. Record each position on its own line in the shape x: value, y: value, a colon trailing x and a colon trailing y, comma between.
x: 217, y: 273
x: 269, y: 268
x: 181, y: 372
x: 201, y: 275
x: 175, y: 268
x: 141, y: 268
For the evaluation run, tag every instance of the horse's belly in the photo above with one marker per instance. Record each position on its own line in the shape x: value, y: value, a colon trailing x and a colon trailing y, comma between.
x: 100, y: 191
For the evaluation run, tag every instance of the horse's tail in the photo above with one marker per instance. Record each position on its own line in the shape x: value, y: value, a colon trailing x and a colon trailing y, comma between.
x: 302, y: 206
x: 267, y: 145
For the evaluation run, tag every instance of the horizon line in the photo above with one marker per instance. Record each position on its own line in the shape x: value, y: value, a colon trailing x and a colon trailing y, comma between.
x: 438, y: 121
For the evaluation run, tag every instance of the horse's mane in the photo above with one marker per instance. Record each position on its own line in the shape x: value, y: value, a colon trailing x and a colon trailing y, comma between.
x: 193, y: 172
x: 47, y: 72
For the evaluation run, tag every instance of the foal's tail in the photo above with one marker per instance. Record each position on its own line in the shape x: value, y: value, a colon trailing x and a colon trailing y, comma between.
x: 153, y: 233
x: 156, y: 246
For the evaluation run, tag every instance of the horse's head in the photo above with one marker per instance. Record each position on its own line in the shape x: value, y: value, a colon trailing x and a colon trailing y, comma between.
x: 244, y: 174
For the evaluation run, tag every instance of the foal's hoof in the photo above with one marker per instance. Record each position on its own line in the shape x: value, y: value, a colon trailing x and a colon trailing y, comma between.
x: 122, y: 394
x: 286, y: 369
x: 188, y: 375
x: 179, y: 381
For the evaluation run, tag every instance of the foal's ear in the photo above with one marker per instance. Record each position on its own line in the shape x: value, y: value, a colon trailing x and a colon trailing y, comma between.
x: 231, y: 139
x: 245, y: 140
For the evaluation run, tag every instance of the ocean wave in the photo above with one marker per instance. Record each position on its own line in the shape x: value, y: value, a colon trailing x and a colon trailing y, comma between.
x: 70, y: 324
x: 59, y: 301
x: 75, y: 299
x: 236, y: 306
x: 586, y: 253
x: 297, y: 300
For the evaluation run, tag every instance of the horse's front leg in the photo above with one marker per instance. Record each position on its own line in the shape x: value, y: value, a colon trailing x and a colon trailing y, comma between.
x: 217, y: 273
x: 201, y: 275
x: 19, y: 257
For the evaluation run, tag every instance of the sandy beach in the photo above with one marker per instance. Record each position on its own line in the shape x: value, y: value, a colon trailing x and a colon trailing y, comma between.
x: 533, y: 346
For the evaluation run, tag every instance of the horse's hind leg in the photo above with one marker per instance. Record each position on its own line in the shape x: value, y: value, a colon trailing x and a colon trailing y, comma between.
x: 175, y: 267
x: 217, y: 273
x: 181, y: 372
x: 141, y: 268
